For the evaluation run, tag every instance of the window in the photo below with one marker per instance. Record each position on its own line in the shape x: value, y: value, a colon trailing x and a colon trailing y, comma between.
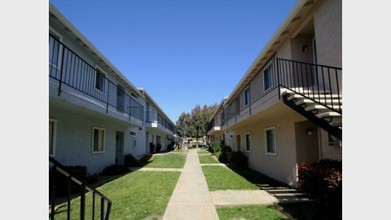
x: 52, y: 136
x: 246, y: 96
x: 268, y: 78
x: 270, y: 140
x: 248, y: 142
x: 98, y: 140
x: 100, y: 80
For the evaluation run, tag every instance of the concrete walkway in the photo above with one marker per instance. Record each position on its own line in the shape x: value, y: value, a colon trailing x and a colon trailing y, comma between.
x: 191, y: 198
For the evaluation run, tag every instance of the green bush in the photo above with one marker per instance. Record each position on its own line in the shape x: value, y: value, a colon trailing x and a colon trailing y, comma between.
x: 239, y: 160
x: 158, y: 147
x: 322, y: 179
x: 115, y: 169
x: 130, y: 161
x: 215, y: 147
x: 226, y: 154
x: 152, y: 148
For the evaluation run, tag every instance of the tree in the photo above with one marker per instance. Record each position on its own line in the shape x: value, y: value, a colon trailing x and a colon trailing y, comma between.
x: 195, y: 124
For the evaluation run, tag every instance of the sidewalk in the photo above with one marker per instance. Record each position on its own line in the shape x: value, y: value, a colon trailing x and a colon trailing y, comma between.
x: 191, y: 198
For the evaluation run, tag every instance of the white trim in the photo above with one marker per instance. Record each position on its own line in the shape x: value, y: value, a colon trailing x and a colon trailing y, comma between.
x: 54, y: 134
x: 103, y: 142
x: 274, y: 140
x: 245, y: 145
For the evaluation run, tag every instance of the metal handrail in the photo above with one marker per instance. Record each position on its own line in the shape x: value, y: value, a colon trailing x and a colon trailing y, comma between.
x: 59, y: 168
x: 71, y: 70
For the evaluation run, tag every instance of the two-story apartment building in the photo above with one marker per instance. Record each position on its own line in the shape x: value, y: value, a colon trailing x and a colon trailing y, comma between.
x: 160, y: 129
x: 287, y: 108
x: 96, y: 115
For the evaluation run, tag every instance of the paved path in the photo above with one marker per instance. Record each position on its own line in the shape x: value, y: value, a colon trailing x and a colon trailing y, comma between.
x: 191, y: 198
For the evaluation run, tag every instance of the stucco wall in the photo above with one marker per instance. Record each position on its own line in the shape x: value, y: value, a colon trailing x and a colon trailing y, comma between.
x: 74, y: 140
x: 328, y: 32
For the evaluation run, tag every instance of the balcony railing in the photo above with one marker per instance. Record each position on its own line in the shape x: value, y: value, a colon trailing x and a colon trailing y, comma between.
x: 70, y: 70
x: 57, y: 170
x: 152, y: 117
x: 313, y: 81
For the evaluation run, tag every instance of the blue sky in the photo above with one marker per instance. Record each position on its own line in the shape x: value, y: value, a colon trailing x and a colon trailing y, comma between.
x: 182, y: 52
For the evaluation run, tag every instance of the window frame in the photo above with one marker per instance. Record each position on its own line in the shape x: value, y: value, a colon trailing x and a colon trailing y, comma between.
x: 266, y: 72
x: 247, y: 96
x: 93, y: 140
x: 274, y: 147
x: 102, y: 80
x: 52, y: 138
x: 248, y: 142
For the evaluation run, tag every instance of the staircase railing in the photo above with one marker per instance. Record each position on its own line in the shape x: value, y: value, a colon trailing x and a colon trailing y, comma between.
x: 320, y: 83
x: 57, y: 168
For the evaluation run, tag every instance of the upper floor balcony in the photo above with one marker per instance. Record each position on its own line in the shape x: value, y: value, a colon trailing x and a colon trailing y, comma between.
x: 80, y: 84
x: 312, y: 81
x: 155, y: 120
x: 214, y: 126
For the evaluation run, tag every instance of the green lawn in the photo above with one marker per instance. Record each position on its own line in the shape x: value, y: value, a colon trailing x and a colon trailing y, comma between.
x: 203, y: 151
x: 206, y: 159
x: 253, y: 212
x: 221, y: 178
x: 136, y: 195
x: 171, y: 160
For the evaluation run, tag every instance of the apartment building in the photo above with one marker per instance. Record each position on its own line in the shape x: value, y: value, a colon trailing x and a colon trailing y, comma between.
x: 96, y: 115
x: 287, y: 108
x: 160, y: 129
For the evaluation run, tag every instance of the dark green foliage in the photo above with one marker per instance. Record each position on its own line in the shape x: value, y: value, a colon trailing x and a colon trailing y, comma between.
x: 238, y: 160
x: 152, y: 148
x: 158, y: 148
x: 322, y: 179
x: 130, y: 161
x: 226, y: 154
x: 214, y: 147
x: 115, y: 169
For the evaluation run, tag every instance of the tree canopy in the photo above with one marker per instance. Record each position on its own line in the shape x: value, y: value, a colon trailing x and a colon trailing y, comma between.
x: 195, y: 124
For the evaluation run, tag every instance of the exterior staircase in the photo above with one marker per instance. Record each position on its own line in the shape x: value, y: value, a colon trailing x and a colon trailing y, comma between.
x: 322, y: 108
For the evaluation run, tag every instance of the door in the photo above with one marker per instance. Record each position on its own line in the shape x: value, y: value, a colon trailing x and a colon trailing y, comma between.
x: 119, y: 147
x: 238, y: 143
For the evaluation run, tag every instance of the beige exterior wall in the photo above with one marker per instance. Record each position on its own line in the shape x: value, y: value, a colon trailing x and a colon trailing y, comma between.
x: 328, y: 31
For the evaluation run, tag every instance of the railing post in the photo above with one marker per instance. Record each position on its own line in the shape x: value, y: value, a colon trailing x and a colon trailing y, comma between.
x: 52, y: 191
x: 108, y: 96
x: 82, y: 201
x: 102, y: 208
x: 61, y: 69
x: 278, y: 77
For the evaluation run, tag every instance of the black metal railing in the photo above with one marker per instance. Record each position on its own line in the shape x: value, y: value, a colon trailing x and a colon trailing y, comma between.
x: 70, y: 70
x: 152, y: 116
x: 320, y: 83
x: 57, y: 170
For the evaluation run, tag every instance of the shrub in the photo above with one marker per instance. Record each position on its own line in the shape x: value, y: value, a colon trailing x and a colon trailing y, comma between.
x: 239, y: 160
x: 158, y: 147
x: 151, y: 148
x: 130, y: 161
x: 115, y: 169
x: 226, y: 154
x: 215, y: 147
x: 322, y: 179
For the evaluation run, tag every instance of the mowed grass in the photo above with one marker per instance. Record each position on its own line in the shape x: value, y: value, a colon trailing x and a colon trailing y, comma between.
x: 206, y: 159
x: 253, y: 212
x: 137, y: 195
x: 221, y: 178
x: 171, y: 160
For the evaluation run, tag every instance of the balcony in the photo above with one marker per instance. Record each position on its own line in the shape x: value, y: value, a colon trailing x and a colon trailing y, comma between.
x: 79, y: 83
x: 315, y: 83
x: 156, y: 121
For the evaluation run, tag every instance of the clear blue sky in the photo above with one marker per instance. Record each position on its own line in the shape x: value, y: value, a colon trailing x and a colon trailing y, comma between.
x: 182, y: 52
